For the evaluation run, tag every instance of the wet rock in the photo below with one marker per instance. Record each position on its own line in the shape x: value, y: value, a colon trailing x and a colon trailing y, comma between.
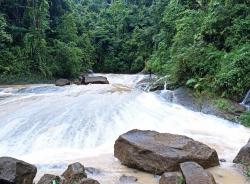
x: 156, y: 83
x: 62, y: 82
x: 231, y: 114
x: 223, y: 160
x: 13, y: 171
x: 74, y: 173
x: 167, y: 95
x: 159, y: 152
x: 195, y: 174
x: 77, y: 81
x: 203, y: 103
x: 171, y: 178
x: 89, y: 71
x: 243, y: 157
x: 92, y: 171
x: 88, y: 181
x: 48, y: 179
x: 127, y: 179
x: 94, y: 80
x: 186, y: 98
x: 156, y: 87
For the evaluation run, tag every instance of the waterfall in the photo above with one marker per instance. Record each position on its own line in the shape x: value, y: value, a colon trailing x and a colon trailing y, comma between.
x: 246, y: 100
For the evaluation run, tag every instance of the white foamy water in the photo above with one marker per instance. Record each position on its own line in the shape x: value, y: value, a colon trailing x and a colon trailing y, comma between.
x: 44, y: 124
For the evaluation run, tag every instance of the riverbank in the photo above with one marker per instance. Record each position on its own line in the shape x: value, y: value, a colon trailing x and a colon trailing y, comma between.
x: 21, y: 80
x: 110, y: 170
x: 198, y: 101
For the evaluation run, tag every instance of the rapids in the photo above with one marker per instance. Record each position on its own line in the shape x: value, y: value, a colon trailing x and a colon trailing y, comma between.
x: 51, y: 126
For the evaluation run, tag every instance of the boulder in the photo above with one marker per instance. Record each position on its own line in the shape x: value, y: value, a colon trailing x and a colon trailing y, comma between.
x: 243, y: 157
x: 194, y: 174
x: 187, y: 98
x: 127, y: 179
x: 94, y: 80
x: 13, y: 171
x: 159, y: 152
x: 62, y: 82
x: 88, y: 181
x: 171, y: 178
x: 74, y: 173
x: 77, y: 81
x: 48, y: 179
x: 205, y: 104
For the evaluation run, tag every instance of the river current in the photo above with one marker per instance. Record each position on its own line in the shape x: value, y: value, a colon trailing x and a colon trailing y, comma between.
x: 52, y: 126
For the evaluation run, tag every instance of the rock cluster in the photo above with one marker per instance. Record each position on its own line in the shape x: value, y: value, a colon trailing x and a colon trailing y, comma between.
x: 13, y: 171
x: 75, y: 173
x: 178, y: 159
x: 83, y: 80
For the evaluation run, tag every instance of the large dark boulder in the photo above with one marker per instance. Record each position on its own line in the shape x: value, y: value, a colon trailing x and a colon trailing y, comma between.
x: 13, y: 171
x: 243, y: 157
x: 171, y: 178
x: 62, y: 82
x: 48, y: 179
x: 94, y: 80
x: 195, y: 174
x: 159, y: 152
x: 74, y: 173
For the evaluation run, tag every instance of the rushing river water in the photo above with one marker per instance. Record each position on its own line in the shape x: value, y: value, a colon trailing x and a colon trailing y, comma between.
x: 52, y: 126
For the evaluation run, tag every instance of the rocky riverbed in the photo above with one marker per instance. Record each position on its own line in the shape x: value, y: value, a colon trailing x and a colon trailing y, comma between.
x: 52, y: 127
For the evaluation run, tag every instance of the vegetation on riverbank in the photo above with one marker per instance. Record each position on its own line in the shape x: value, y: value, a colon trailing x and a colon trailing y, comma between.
x: 245, y: 119
x: 202, y: 44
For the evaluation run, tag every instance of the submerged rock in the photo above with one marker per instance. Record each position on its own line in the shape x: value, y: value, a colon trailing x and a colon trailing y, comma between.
x: 127, y: 179
x: 48, y: 179
x: 93, y: 171
x: 243, y: 157
x: 159, y: 152
x: 171, y: 178
x: 74, y: 173
x: 94, y: 80
x: 195, y: 174
x: 62, y: 82
x: 13, y: 171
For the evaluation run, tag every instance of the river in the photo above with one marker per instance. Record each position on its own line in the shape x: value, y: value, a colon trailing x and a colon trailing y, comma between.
x: 52, y: 126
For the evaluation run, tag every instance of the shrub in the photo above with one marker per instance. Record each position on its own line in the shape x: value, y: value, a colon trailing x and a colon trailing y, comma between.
x: 245, y: 120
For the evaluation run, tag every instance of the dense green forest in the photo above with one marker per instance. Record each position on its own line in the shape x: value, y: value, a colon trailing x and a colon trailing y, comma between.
x: 204, y: 44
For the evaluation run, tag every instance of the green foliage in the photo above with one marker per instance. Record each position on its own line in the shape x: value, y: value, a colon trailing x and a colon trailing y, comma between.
x: 245, y: 120
x: 4, y: 36
x: 68, y: 59
x: 223, y: 104
x: 233, y: 79
x: 248, y: 172
x: 67, y: 30
x: 202, y: 44
x: 181, y: 180
x: 207, y: 47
